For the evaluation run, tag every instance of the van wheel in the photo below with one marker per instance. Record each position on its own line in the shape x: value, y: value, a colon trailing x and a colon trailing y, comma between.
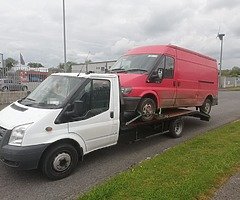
x: 147, y: 107
x: 176, y: 128
x: 59, y: 161
x: 206, y: 107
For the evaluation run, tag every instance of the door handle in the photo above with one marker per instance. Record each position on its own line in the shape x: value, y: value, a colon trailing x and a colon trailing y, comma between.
x: 174, y: 83
x: 178, y: 84
x: 111, y: 114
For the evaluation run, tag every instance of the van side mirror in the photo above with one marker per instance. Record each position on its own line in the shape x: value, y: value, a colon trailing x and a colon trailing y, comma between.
x: 157, y: 75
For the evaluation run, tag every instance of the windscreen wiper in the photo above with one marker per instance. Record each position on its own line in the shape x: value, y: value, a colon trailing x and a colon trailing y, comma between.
x: 136, y: 69
x: 118, y: 70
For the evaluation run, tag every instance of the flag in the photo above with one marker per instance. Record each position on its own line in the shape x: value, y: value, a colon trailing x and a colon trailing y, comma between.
x: 22, y: 62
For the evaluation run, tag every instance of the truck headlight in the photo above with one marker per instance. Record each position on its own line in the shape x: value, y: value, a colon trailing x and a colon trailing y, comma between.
x: 18, y: 134
x: 126, y: 91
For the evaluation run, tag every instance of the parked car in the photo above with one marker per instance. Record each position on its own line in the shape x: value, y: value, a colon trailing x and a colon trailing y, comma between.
x: 12, y: 85
x: 166, y: 76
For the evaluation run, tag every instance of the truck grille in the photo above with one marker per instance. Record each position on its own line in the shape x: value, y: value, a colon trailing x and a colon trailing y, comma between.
x: 2, y: 132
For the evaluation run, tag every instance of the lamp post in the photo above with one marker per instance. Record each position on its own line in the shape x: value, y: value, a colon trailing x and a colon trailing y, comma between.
x: 220, y: 36
x: 2, y: 64
x: 64, y: 38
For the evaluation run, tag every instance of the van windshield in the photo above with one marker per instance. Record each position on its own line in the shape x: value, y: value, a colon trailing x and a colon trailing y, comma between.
x: 141, y: 63
x: 53, y: 92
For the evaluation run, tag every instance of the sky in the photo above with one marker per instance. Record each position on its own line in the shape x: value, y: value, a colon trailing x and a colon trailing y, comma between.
x: 102, y: 30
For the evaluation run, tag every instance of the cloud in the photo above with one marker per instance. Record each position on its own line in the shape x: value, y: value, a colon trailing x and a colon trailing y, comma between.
x: 108, y: 28
x: 122, y: 46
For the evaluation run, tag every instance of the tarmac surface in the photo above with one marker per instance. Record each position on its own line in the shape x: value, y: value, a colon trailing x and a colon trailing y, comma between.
x: 103, y: 164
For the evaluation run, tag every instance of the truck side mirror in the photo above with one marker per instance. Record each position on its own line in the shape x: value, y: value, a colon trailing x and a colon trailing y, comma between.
x: 78, y: 108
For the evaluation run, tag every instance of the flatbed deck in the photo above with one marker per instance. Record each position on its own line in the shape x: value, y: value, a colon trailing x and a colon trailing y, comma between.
x: 161, y: 123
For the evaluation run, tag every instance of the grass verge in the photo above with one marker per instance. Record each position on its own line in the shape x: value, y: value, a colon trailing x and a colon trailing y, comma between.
x: 191, y: 170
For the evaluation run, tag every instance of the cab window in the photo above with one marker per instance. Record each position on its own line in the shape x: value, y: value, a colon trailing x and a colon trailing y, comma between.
x: 167, y: 66
x: 95, y: 98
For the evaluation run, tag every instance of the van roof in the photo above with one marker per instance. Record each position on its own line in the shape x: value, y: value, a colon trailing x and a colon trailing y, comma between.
x: 158, y: 49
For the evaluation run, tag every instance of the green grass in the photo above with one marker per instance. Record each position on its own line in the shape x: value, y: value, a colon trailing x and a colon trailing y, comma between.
x: 191, y: 170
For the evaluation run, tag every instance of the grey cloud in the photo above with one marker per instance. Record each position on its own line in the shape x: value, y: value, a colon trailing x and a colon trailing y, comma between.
x: 219, y: 4
x: 108, y: 28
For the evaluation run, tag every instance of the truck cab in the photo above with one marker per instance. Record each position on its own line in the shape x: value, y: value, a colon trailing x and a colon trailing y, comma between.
x: 66, y: 116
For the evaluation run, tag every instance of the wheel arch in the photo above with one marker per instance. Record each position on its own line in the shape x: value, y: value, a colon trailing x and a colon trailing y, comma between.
x: 210, y: 97
x: 153, y: 96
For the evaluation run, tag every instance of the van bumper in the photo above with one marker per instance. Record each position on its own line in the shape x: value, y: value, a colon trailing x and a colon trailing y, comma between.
x: 24, y: 158
x: 131, y: 103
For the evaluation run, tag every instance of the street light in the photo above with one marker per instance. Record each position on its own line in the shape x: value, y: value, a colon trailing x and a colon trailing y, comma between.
x: 64, y: 38
x: 2, y: 64
x: 220, y: 36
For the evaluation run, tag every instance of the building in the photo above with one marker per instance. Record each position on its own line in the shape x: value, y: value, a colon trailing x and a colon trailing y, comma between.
x: 97, y: 67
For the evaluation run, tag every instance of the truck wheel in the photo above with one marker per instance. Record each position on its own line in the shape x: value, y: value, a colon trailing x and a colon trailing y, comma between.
x: 5, y: 88
x: 176, y: 127
x: 206, y: 107
x: 147, y: 108
x: 59, y: 161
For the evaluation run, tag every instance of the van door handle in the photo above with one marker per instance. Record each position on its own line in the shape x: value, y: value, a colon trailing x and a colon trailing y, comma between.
x: 174, y: 83
x: 178, y: 84
x: 111, y: 114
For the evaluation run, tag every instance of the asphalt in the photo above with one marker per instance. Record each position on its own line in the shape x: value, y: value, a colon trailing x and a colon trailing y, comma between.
x: 103, y: 164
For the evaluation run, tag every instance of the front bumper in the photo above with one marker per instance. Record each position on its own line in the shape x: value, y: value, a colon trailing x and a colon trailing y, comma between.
x: 24, y: 158
x: 20, y: 157
x: 131, y: 103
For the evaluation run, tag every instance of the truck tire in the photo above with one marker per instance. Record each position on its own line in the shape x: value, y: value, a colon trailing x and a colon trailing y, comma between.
x: 5, y: 88
x: 147, y: 107
x: 206, y: 107
x: 59, y: 161
x: 176, y: 127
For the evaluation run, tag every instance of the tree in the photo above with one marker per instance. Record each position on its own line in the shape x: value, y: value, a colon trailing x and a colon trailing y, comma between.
x: 10, y: 62
x: 35, y: 65
x: 69, y: 66
x: 235, y: 71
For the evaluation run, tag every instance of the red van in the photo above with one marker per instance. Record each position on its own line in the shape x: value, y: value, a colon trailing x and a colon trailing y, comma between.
x: 167, y: 76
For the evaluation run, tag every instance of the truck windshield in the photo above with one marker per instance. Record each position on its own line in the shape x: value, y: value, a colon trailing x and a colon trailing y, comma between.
x: 53, y: 92
x: 135, y: 63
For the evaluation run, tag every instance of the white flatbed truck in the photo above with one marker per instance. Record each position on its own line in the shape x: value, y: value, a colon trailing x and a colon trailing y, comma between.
x: 70, y: 115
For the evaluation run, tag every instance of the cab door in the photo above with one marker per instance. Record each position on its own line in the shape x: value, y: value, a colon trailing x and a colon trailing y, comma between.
x: 95, y: 125
x: 165, y: 86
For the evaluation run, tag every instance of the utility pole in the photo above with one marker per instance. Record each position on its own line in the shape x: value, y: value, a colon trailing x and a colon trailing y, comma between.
x: 220, y: 36
x: 2, y: 64
x: 64, y: 38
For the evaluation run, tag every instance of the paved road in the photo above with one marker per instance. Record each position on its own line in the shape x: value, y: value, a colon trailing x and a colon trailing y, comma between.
x: 104, y: 163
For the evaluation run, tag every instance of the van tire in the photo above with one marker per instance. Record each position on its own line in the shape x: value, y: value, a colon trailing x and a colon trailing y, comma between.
x: 147, y: 107
x: 206, y: 107
x: 176, y: 128
x: 59, y: 161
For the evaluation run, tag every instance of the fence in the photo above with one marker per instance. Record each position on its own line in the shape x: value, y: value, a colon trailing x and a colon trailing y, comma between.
x: 226, y: 82
x: 15, y: 83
